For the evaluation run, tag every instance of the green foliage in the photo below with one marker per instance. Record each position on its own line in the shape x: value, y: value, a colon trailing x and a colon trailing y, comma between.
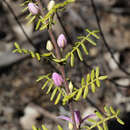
x: 31, y: 53
x: 55, y: 91
x: 29, y: 17
x: 47, y: 20
x: 45, y: 128
x: 78, y: 44
x: 92, y: 80
x: 101, y: 123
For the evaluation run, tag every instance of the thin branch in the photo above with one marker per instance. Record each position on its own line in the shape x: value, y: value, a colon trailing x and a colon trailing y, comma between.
x: 64, y: 29
x: 20, y: 25
x: 104, y: 40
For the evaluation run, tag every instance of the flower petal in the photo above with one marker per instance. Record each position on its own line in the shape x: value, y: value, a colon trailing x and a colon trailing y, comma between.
x: 77, y: 117
x: 65, y: 118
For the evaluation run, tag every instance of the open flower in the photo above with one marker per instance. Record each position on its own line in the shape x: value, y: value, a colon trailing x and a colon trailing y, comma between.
x: 61, y: 41
x: 33, y: 8
x: 57, y: 78
x: 77, y: 117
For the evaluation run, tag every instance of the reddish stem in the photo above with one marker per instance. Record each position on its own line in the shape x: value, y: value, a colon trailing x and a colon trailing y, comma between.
x: 61, y: 67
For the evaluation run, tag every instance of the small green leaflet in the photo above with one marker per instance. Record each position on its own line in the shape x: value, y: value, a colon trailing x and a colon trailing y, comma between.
x: 53, y: 93
x: 38, y: 24
x: 93, y: 88
x: 34, y: 128
x: 99, y: 115
x: 31, y: 20
x: 72, y: 60
x: 105, y: 126
x: 112, y: 110
x: 79, y: 54
x: 58, y: 98
x: 44, y: 128
x: 50, y: 87
x: 91, y: 41
x: 84, y: 48
x: 79, y: 94
x: 97, y: 72
x: 120, y: 121
x: 102, y: 77
x: 107, y: 111
x: 28, y: 16
x: 45, y: 84
x: 91, y: 120
x: 99, y: 127
x: 59, y: 127
x: 92, y: 75
x: 97, y: 82
x: 85, y: 92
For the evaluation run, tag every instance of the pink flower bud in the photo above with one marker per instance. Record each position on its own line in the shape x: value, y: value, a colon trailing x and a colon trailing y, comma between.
x: 33, y: 8
x: 57, y: 78
x: 61, y: 41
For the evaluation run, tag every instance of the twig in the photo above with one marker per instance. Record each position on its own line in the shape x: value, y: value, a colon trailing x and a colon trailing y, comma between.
x: 20, y: 25
x: 64, y: 29
x: 104, y: 40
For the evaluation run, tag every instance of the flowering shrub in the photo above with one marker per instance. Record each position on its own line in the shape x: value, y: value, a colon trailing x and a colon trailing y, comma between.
x: 57, y: 84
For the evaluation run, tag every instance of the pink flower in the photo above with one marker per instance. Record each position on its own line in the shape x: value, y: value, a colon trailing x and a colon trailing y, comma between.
x: 33, y: 8
x: 57, y: 78
x: 61, y: 41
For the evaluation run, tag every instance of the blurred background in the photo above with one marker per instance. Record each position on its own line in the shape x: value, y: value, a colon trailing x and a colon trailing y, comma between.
x: 23, y: 103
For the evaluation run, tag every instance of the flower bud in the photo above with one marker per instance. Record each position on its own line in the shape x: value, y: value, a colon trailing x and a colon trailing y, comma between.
x: 70, y: 126
x: 61, y: 41
x: 57, y: 78
x: 49, y: 46
x: 77, y: 117
x: 33, y: 8
x: 71, y: 86
x: 51, y: 4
